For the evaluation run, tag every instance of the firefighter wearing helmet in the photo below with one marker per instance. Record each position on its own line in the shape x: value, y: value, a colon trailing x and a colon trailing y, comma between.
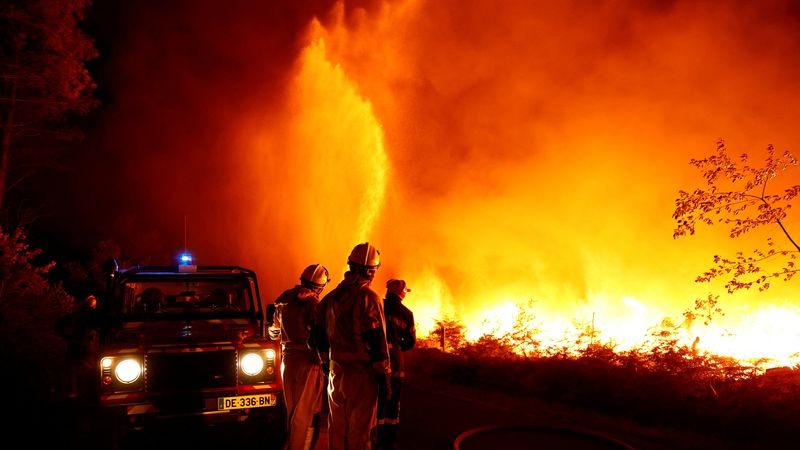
x: 303, y: 377
x: 350, y: 334
x: 401, y: 336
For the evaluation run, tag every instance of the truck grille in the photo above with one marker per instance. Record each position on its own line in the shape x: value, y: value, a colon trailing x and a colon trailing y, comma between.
x: 177, y: 371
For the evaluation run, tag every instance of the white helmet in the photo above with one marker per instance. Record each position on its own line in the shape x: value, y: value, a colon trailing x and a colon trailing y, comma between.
x: 315, y: 275
x: 365, y: 255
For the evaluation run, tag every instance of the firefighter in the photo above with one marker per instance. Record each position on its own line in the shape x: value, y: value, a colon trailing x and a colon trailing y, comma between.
x: 301, y: 370
x: 350, y: 335
x: 401, y: 336
x: 79, y: 329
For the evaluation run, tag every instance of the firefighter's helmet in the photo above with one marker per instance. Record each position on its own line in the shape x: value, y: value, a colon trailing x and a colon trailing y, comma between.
x: 365, y: 255
x: 397, y: 287
x: 90, y: 302
x: 316, y: 275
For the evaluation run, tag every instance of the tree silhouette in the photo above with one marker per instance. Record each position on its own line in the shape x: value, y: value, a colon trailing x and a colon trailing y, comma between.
x: 736, y: 195
x: 449, y: 334
x: 43, y: 80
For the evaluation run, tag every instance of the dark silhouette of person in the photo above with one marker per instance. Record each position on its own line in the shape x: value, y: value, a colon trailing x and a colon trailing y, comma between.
x: 79, y: 329
x: 401, y: 336
x: 152, y: 299
x: 218, y: 298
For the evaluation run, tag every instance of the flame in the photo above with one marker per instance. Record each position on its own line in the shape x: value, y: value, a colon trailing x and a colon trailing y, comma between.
x: 505, y: 160
x: 500, y: 210
x: 770, y: 332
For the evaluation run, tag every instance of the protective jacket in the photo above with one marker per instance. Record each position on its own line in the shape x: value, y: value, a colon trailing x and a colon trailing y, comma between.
x: 401, y: 336
x: 303, y: 378
x: 401, y: 333
x: 351, y: 334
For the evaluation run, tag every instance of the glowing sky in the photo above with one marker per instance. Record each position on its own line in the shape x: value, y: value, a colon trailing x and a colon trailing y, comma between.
x: 495, y: 153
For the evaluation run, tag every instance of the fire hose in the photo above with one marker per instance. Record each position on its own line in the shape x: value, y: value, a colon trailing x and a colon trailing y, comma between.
x: 536, y: 437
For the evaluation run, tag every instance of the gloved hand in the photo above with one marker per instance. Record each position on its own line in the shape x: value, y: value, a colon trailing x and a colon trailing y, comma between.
x: 274, y: 332
x: 384, y: 381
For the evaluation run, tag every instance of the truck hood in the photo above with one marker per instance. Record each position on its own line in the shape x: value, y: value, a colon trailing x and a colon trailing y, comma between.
x: 177, y: 332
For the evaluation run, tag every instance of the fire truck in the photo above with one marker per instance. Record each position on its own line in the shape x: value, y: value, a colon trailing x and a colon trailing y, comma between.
x: 187, y: 345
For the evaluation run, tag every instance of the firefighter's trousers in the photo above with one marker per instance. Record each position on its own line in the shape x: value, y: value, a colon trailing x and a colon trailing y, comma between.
x: 353, y: 403
x: 304, y: 386
x: 389, y: 416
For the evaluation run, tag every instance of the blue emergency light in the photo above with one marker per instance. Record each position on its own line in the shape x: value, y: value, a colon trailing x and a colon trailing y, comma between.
x: 186, y: 262
x: 185, y: 258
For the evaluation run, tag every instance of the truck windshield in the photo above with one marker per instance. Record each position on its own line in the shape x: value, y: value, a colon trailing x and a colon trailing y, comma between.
x: 186, y: 296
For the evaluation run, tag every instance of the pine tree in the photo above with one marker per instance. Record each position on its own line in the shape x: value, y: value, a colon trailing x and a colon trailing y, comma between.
x: 44, y: 81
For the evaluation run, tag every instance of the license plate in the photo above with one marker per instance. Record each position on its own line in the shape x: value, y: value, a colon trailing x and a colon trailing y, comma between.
x: 246, y: 401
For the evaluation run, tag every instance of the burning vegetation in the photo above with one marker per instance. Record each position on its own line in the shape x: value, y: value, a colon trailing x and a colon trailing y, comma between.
x: 517, y: 165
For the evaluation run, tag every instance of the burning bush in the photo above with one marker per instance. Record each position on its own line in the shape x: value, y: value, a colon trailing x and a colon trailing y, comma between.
x: 664, y: 384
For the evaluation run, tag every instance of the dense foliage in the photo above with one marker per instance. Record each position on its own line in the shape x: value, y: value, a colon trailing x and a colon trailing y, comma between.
x: 660, y: 382
x: 44, y: 81
x: 30, y: 304
x: 665, y: 385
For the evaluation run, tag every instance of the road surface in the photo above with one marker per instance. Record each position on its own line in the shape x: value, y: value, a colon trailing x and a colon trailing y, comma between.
x: 434, y: 416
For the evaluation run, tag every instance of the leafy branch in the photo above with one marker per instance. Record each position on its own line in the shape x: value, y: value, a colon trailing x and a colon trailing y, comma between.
x: 736, y: 196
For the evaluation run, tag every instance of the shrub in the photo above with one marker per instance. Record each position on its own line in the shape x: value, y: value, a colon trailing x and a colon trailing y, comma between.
x: 666, y: 385
x: 32, y: 354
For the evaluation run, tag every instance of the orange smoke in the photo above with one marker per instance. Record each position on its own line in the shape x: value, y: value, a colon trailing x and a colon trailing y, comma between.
x: 496, y: 154
x: 533, y: 153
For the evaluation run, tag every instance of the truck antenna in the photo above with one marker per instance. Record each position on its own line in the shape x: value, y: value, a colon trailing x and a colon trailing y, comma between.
x: 185, y: 233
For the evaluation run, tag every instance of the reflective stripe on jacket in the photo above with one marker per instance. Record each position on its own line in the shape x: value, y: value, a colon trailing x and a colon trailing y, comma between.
x: 294, y: 312
x: 351, y: 316
x: 401, y: 333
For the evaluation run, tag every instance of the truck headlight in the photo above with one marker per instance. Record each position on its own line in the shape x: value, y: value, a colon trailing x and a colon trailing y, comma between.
x: 128, y: 371
x: 261, y: 362
x: 120, y: 370
x: 252, y: 364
